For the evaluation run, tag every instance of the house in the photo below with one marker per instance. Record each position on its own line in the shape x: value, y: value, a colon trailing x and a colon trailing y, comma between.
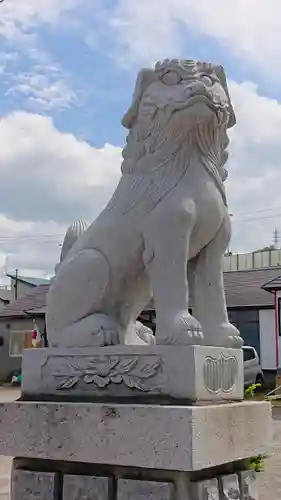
x: 16, y: 327
x: 20, y: 285
x: 251, y: 307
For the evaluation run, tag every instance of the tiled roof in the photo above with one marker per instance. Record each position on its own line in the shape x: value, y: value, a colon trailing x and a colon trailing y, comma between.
x: 243, y: 288
x: 33, y: 300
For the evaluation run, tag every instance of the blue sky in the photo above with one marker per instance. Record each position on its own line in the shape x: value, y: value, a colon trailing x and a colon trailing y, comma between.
x: 96, y: 73
x: 67, y: 72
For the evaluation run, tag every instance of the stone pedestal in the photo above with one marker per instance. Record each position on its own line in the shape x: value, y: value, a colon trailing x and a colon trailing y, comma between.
x: 133, y: 423
x: 92, y: 450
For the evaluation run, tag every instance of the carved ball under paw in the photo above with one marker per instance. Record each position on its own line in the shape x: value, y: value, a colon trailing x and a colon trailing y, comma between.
x: 139, y: 334
x: 145, y: 333
x: 236, y: 341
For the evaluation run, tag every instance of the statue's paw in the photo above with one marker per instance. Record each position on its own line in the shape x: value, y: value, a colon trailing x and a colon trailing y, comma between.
x: 184, y: 329
x: 105, y: 331
x: 96, y: 330
x: 225, y: 335
x: 107, y: 336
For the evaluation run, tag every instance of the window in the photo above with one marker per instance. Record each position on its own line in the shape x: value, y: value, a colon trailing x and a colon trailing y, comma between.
x: 248, y: 354
x: 19, y: 340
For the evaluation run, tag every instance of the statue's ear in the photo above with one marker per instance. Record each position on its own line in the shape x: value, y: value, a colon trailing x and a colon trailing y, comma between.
x: 219, y: 71
x: 144, y: 79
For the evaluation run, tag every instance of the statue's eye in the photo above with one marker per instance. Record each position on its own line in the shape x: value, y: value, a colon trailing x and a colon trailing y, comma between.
x: 171, y: 78
x: 206, y: 80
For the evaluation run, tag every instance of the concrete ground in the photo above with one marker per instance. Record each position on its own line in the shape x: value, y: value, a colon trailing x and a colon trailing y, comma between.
x: 269, y: 482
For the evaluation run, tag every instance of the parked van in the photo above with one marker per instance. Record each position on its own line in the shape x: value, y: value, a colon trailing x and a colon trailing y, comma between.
x: 252, y: 369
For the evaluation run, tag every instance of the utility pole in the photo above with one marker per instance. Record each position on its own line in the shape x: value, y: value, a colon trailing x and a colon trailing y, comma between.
x: 16, y: 284
x: 275, y: 238
x: 228, y: 248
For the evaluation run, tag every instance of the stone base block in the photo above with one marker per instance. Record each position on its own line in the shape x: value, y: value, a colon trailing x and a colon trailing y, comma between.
x: 248, y: 486
x: 191, y: 373
x: 229, y: 487
x: 38, y: 485
x: 129, y: 489
x: 78, y: 487
x: 207, y: 489
x: 182, y: 438
x: 31, y: 485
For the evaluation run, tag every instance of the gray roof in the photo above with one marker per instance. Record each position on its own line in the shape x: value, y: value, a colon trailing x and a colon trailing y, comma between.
x: 30, y: 280
x: 272, y: 285
x: 30, y: 303
x: 243, y: 288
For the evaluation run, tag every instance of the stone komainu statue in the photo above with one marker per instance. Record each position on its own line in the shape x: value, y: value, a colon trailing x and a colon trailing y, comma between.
x: 166, y: 227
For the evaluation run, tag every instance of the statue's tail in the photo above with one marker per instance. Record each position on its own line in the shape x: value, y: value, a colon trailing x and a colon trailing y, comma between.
x: 72, y: 235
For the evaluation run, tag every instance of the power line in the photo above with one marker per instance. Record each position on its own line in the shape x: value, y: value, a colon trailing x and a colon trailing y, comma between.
x: 259, y: 210
x: 57, y: 238
x: 257, y: 218
x: 47, y: 237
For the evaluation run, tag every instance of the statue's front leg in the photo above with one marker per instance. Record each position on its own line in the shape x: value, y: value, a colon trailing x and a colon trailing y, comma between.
x: 209, y: 297
x: 167, y: 234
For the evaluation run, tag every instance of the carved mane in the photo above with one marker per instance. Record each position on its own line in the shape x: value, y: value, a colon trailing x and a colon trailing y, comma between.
x: 157, y: 154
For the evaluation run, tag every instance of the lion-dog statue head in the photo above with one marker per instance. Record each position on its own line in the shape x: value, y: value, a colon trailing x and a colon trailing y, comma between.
x: 167, y: 121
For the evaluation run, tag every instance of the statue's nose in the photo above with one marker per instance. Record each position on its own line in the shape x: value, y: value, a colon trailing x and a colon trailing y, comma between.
x: 194, y: 87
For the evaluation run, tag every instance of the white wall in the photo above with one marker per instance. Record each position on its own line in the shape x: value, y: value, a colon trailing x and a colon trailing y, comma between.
x: 267, y: 339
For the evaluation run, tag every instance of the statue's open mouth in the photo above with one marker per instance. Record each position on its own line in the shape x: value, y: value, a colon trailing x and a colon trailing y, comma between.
x: 200, y: 96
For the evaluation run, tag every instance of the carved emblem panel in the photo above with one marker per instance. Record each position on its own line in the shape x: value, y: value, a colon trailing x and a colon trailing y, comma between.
x: 220, y: 374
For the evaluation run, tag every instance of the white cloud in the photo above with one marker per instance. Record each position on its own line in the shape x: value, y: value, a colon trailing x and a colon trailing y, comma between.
x: 249, y: 28
x: 36, y: 76
x: 5, y: 60
x: 17, y: 18
x: 254, y: 168
x: 33, y: 248
x: 146, y: 31
x: 49, y: 179
x: 44, y: 89
x: 55, y: 176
